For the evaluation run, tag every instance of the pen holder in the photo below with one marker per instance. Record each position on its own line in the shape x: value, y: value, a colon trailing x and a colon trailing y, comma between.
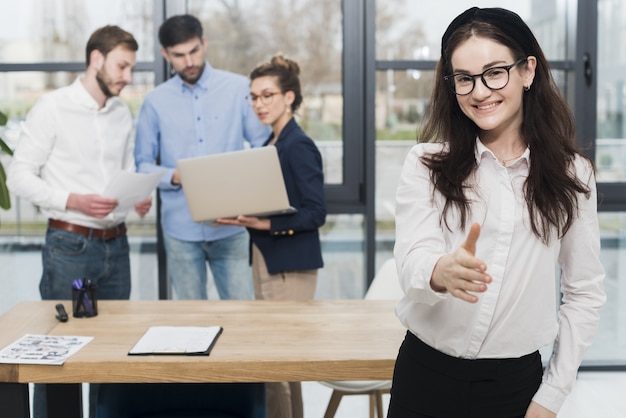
x: 84, y: 299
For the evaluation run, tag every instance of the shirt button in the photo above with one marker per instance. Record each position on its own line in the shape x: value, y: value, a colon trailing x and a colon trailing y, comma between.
x: 290, y: 232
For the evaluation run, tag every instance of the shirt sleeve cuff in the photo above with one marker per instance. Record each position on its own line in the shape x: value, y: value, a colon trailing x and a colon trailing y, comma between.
x: 59, y: 200
x: 549, y: 397
x: 166, y: 181
x: 421, y: 291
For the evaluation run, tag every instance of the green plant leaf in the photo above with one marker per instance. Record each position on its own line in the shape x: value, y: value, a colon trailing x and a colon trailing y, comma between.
x: 4, y: 147
x: 5, y: 199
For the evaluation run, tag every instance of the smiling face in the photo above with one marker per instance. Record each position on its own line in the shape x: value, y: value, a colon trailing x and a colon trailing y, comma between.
x: 271, y: 106
x: 495, y: 112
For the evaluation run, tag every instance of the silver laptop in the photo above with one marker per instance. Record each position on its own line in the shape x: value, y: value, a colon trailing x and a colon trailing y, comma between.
x: 247, y: 182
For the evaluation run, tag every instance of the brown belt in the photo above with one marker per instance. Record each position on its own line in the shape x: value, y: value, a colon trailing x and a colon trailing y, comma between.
x: 105, y: 234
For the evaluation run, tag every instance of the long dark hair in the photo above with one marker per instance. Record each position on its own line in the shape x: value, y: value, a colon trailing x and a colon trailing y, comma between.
x: 551, y: 189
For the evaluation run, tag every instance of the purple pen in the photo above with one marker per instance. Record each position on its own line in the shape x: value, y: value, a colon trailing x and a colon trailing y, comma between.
x: 83, y: 287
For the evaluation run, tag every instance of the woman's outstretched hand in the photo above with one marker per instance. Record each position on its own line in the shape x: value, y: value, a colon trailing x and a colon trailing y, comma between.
x: 461, y: 274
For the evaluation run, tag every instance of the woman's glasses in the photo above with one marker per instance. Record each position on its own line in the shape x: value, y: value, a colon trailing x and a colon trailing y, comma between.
x: 266, y: 97
x: 495, y: 78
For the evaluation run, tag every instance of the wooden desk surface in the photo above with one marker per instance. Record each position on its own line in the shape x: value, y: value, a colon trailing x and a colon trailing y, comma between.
x: 263, y: 341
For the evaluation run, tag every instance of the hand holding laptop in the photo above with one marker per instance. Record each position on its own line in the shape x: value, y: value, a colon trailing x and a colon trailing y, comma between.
x: 247, y: 221
x: 224, y: 186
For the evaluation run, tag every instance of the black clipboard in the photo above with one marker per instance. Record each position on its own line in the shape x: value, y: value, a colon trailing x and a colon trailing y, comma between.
x: 177, y: 340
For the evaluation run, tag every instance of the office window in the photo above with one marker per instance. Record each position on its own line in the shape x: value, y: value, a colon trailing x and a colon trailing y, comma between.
x: 611, y: 93
x: 412, y: 29
x: 610, y: 343
x: 33, y: 31
x: 401, y: 100
x: 342, y: 250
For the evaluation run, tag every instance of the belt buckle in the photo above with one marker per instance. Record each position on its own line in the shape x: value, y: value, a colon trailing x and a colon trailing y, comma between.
x: 109, y: 233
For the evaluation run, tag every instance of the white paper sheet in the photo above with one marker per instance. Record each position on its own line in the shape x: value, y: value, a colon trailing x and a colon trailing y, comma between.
x: 129, y: 188
x: 42, y: 349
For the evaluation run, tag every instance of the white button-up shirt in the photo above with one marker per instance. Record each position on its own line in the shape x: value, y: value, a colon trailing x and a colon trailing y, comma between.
x: 68, y: 145
x: 518, y: 313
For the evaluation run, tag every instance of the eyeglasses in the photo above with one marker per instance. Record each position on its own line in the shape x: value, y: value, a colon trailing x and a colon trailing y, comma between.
x: 494, y: 78
x: 266, y: 97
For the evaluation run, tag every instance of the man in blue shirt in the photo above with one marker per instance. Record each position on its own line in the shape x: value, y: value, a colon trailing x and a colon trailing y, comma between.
x: 199, y: 111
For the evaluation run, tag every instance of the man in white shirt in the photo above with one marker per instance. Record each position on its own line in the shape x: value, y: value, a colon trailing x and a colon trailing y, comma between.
x: 74, y: 140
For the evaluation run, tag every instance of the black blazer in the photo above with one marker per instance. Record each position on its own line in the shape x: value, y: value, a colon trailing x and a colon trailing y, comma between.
x: 293, y: 242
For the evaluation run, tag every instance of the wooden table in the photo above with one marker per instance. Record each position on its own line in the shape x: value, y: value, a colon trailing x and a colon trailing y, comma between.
x: 263, y: 341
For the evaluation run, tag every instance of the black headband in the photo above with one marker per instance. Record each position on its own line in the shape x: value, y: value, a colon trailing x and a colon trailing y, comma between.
x: 509, y: 22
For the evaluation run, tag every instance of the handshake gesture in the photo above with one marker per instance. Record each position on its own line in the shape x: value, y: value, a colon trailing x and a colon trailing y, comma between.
x: 461, y: 274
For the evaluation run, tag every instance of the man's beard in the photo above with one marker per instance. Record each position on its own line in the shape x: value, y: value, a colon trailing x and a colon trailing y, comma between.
x: 192, y: 80
x: 103, y: 83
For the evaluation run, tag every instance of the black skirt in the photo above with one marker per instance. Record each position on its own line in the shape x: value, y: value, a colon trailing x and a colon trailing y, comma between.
x: 430, y: 384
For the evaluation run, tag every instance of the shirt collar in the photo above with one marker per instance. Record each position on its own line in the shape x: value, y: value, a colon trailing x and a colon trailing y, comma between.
x: 84, y: 98
x: 203, y: 81
x: 290, y: 126
x: 481, y: 150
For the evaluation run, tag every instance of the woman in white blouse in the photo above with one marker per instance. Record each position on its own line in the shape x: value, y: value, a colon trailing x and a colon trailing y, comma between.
x: 495, y: 209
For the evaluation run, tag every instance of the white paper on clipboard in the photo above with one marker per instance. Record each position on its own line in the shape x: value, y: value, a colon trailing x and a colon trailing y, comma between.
x: 186, y: 340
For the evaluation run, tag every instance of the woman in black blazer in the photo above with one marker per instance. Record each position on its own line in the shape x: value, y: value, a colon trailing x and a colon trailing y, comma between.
x: 285, y: 249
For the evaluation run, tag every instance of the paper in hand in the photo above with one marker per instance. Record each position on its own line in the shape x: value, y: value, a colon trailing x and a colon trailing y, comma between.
x: 129, y: 188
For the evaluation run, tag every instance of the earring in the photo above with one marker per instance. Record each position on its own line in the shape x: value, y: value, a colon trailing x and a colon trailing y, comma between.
x: 526, y: 88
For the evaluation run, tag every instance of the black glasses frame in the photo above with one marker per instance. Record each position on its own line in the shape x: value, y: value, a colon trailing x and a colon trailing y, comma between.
x: 450, y: 78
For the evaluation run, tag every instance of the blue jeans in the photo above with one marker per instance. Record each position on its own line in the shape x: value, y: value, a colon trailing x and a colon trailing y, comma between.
x: 67, y: 256
x: 228, y: 260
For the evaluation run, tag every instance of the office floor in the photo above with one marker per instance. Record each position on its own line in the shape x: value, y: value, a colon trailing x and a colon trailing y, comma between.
x: 595, y: 395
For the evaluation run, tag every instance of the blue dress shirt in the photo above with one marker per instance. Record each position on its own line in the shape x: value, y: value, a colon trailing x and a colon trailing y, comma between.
x: 179, y: 121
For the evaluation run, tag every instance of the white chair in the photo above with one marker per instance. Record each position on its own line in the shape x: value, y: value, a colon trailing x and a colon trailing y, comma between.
x: 384, y: 286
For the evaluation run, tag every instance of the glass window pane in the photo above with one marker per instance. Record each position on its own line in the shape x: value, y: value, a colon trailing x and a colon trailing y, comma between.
x: 401, y: 100
x: 34, y: 31
x: 317, y: 47
x: 610, y: 341
x: 412, y: 29
x: 611, y: 124
x: 342, y: 250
